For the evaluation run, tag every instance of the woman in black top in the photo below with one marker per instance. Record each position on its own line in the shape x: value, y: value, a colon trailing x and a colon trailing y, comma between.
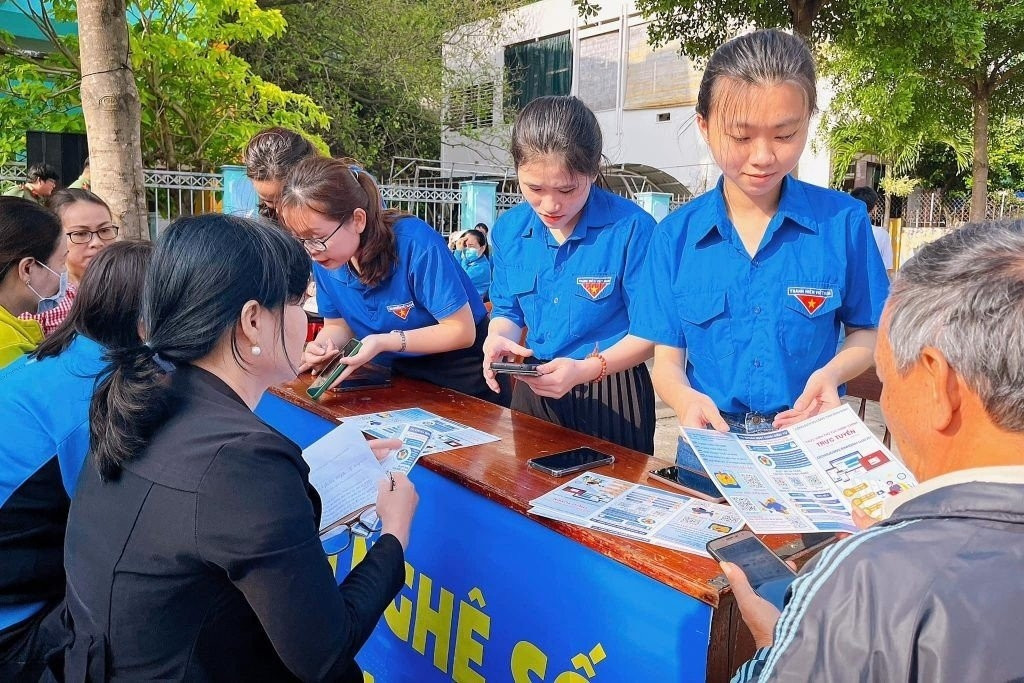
x: 193, y: 553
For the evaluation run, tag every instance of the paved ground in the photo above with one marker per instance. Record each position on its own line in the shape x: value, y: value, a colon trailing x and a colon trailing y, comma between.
x: 667, y: 430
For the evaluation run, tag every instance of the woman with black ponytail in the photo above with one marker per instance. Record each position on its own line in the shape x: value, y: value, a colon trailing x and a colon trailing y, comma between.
x: 192, y: 552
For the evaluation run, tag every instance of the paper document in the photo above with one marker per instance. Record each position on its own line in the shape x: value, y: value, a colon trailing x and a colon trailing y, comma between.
x: 639, y: 512
x: 344, y: 471
x: 804, y: 478
x: 446, y: 435
x: 414, y: 441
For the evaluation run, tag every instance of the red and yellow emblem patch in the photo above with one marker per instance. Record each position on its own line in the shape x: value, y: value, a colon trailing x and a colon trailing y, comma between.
x: 401, y: 310
x: 594, y: 285
x: 810, y: 298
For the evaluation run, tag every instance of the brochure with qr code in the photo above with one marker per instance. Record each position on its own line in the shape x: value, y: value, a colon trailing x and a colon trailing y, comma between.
x: 445, y: 434
x: 806, y: 477
x: 643, y: 513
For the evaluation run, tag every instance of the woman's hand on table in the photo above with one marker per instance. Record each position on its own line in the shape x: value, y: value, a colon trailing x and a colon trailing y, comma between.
x: 559, y: 376
x: 820, y: 395
x: 396, y: 506
x: 317, y: 354
x: 372, y: 346
x: 498, y: 349
x: 698, y: 411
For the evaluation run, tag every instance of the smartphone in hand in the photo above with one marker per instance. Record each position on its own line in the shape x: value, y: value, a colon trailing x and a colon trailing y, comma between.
x: 523, y: 369
x: 333, y: 370
x: 768, y: 575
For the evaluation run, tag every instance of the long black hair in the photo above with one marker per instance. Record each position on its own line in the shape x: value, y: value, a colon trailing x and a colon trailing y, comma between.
x: 109, y: 300
x: 204, y: 270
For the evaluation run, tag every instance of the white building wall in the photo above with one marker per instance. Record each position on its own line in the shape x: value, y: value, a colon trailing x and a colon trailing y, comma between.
x: 631, y: 136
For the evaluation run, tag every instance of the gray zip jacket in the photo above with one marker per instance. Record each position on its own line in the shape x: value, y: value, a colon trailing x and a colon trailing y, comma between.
x: 934, y: 593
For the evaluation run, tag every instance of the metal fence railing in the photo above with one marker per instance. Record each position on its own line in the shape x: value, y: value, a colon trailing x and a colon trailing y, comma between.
x: 440, y: 207
x: 172, y: 194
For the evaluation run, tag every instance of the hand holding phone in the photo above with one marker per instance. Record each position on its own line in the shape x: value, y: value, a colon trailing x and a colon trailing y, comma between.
x: 569, y: 462
x: 333, y: 370
x: 690, y: 482
x: 768, y: 575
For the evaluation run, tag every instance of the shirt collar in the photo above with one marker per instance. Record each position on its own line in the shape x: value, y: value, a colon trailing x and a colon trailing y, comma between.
x: 793, y: 204
x: 1010, y: 474
x: 596, y: 213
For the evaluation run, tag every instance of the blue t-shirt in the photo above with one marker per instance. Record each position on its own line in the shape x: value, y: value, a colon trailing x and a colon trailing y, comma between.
x: 44, y: 407
x: 756, y: 328
x: 478, y: 268
x: 425, y: 286
x: 576, y: 294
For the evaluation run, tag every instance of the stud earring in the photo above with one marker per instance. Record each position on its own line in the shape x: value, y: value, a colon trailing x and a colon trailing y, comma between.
x: 256, y: 350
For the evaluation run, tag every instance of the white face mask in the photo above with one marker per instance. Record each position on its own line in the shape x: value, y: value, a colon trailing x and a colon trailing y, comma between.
x: 48, y: 303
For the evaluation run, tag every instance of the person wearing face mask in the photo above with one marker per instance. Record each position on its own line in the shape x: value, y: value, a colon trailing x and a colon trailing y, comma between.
x: 87, y: 224
x: 471, y: 253
x: 32, y: 274
x: 384, y: 277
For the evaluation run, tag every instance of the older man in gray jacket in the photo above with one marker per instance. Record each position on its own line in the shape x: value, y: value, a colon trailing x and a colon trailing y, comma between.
x: 936, y: 591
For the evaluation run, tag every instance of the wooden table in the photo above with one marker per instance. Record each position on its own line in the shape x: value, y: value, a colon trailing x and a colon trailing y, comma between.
x: 498, y: 472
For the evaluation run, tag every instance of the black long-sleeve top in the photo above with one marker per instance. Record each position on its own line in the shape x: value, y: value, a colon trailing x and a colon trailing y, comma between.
x: 202, y: 562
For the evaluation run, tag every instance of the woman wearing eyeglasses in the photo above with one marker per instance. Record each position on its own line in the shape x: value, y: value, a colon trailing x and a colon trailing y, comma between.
x: 384, y: 277
x: 193, y: 550
x: 87, y: 225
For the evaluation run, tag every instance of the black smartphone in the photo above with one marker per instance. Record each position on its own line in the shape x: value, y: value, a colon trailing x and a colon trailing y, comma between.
x: 568, y: 462
x: 515, y: 369
x: 690, y: 482
x: 768, y: 575
x: 333, y: 370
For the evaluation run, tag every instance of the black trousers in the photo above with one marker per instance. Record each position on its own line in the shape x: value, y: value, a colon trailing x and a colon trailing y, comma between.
x: 460, y: 370
x: 619, y: 408
x: 24, y: 646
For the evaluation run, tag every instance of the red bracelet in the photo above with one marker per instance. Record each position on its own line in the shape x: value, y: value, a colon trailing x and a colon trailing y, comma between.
x: 604, y: 365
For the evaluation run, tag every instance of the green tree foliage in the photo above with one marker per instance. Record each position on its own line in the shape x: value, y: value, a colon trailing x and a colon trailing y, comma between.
x: 703, y: 26
x: 200, y: 101
x: 375, y: 67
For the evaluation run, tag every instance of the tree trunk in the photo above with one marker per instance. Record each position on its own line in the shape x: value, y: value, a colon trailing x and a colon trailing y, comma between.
x: 979, y: 172
x: 113, y: 117
x: 803, y: 13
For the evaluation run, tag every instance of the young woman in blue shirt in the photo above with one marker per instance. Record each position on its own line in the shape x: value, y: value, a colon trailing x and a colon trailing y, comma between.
x: 755, y: 277
x: 565, y: 268
x: 384, y: 277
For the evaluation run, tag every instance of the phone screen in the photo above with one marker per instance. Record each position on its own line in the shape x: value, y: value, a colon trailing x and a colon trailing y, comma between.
x: 577, y: 457
x: 690, y: 479
x: 761, y: 565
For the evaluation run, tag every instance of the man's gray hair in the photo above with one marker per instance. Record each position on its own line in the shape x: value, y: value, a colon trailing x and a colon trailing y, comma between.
x: 964, y: 295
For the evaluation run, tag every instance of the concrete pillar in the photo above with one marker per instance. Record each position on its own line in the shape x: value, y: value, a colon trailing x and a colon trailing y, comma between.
x: 654, y: 203
x: 240, y: 196
x: 479, y: 203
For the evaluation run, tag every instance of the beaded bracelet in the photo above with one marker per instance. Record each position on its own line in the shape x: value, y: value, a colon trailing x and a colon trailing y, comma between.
x: 401, y: 334
x: 604, y: 364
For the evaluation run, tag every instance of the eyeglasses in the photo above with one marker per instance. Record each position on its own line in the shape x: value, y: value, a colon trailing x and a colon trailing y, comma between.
x: 363, y: 523
x: 85, y: 236
x: 315, y: 246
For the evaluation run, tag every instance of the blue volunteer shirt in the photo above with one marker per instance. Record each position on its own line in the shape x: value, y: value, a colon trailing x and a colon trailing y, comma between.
x: 44, y: 414
x: 754, y: 329
x: 576, y: 294
x: 426, y: 286
x: 478, y: 269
